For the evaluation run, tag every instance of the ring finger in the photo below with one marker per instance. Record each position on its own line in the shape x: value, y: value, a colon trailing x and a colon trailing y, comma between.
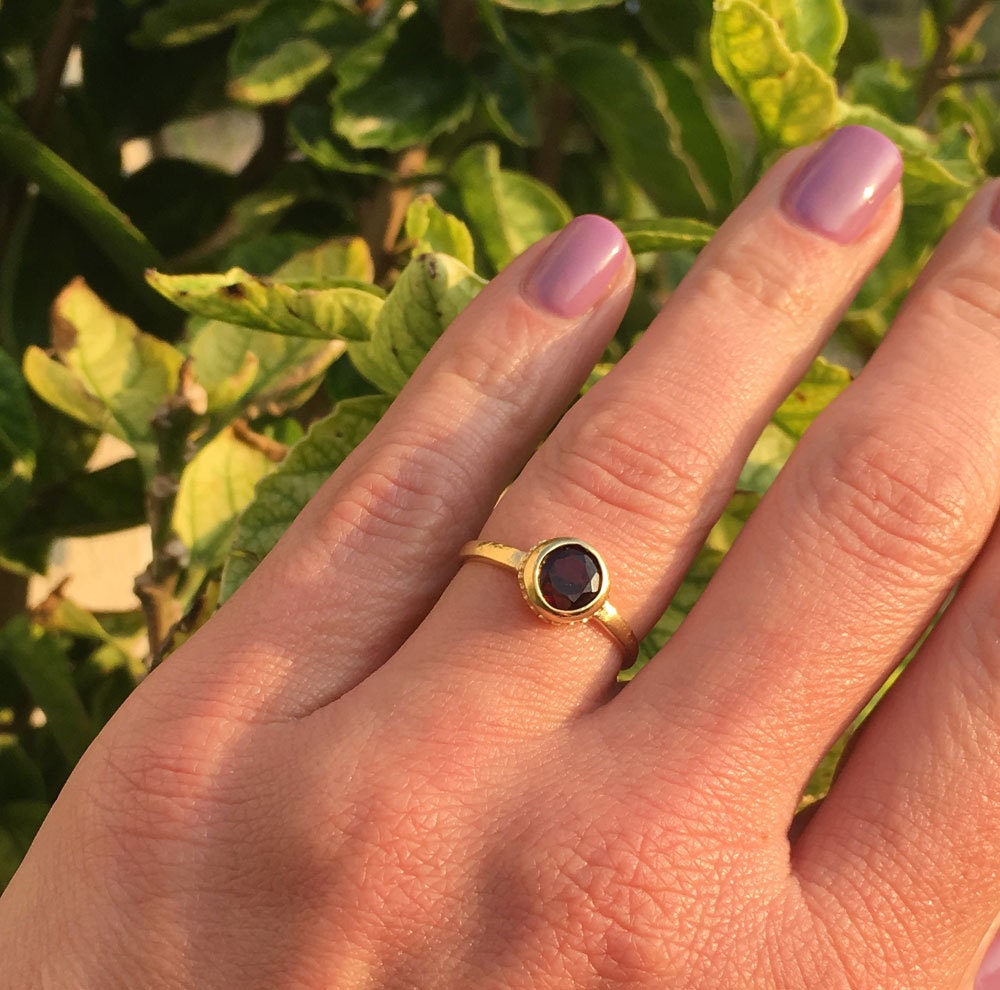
x: 642, y: 466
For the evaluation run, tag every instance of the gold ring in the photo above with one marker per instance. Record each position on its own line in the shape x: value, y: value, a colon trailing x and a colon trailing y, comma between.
x: 562, y: 580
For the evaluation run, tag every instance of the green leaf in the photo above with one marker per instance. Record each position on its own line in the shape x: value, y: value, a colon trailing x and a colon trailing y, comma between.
x: 887, y: 86
x: 342, y: 257
x: 256, y: 371
x: 431, y: 229
x: 19, y: 823
x: 107, y: 500
x: 508, y: 99
x: 711, y: 156
x: 401, y: 90
x: 632, y: 115
x: 666, y: 234
x: 765, y: 460
x: 18, y: 429
x: 325, y: 308
x: 816, y: 27
x: 106, y: 372
x: 676, y: 25
x: 125, y: 246
x: 40, y: 663
x: 282, y: 495
x: 432, y: 290
x: 309, y: 127
x: 268, y: 372
x: 509, y: 210
x: 20, y: 778
x: 791, y: 99
x: 822, y: 383
x: 556, y: 6
x: 289, y: 44
x: 216, y: 486
x: 180, y: 22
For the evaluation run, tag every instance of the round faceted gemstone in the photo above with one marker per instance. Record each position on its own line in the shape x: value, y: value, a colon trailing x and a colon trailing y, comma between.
x: 569, y: 578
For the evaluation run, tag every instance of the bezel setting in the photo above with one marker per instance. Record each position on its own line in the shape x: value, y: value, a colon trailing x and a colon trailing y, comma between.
x: 529, y: 578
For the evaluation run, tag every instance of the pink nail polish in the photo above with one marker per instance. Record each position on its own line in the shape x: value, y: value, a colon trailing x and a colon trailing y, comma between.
x: 839, y: 190
x: 580, y: 267
x: 989, y: 970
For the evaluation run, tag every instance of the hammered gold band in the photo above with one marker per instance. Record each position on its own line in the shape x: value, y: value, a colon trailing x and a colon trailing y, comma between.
x: 562, y: 580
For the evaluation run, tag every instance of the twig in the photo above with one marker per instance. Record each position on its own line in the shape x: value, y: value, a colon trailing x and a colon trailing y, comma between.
x: 173, y: 424
x: 982, y: 73
x: 382, y: 217
x: 38, y: 112
x: 960, y: 29
x: 548, y: 159
x: 462, y: 29
x: 52, y: 63
x: 273, y: 450
x: 13, y: 595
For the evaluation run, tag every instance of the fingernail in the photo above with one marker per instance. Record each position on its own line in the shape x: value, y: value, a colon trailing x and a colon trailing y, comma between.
x: 989, y: 970
x: 839, y: 190
x: 580, y: 267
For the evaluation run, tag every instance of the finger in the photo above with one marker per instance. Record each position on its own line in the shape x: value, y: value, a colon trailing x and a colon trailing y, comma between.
x: 909, y: 836
x: 371, y: 552
x: 644, y: 463
x: 884, y: 503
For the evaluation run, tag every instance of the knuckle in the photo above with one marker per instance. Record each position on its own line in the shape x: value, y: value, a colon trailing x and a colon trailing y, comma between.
x: 618, y: 895
x: 634, y: 459
x: 755, y: 282
x: 973, y: 622
x: 401, y: 495
x: 968, y: 300
x: 901, y: 505
x: 497, y: 364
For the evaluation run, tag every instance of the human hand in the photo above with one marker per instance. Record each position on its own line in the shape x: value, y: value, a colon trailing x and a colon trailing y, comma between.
x: 373, y: 769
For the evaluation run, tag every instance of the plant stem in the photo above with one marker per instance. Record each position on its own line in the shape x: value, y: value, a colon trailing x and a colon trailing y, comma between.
x: 38, y: 112
x: 272, y: 449
x: 548, y: 159
x: 960, y: 29
x: 13, y: 595
x: 382, y: 217
x: 52, y: 62
x: 173, y: 423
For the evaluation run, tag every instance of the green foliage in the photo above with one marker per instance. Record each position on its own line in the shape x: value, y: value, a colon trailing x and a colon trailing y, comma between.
x: 330, y: 183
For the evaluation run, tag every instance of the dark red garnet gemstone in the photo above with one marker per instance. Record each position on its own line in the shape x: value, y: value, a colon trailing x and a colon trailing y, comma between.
x: 569, y: 578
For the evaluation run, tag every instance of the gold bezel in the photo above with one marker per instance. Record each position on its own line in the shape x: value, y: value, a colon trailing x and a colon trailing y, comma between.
x: 528, y: 578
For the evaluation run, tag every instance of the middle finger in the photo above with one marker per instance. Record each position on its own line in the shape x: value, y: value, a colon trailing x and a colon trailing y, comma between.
x: 643, y: 465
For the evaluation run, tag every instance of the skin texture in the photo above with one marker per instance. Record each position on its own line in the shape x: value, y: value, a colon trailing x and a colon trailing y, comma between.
x: 375, y: 770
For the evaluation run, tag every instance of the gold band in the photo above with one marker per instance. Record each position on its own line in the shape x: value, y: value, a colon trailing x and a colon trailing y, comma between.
x: 529, y: 565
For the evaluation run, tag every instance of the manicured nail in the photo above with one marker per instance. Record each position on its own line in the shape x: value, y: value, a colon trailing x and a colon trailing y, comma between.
x: 989, y: 970
x: 839, y: 190
x: 580, y: 267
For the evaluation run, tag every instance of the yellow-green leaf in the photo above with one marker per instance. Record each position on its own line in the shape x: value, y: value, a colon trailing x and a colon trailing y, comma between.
x: 325, y: 309
x: 509, y: 210
x: 432, y: 290
x: 106, y: 372
x: 822, y: 383
x: 216, y: 486
x: 431, y: 229
x: 281, y: 496
x: 791, y: 99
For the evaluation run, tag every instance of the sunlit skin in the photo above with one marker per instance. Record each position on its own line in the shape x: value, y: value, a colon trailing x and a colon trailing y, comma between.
x: 376, y: 768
